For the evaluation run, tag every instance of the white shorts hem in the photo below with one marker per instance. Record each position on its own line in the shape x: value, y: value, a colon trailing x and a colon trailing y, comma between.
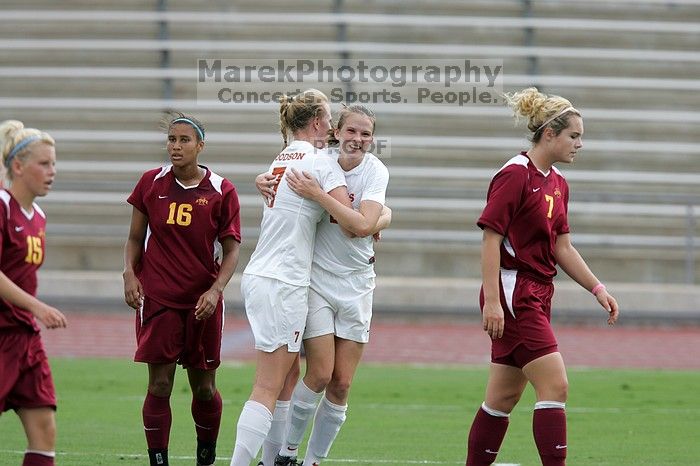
x: 318, y: 333
x: 355, y: 338
x: 270, y: 349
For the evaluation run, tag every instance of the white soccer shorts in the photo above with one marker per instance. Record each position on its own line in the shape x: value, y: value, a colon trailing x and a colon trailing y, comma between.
x: 276, y: 312
x: 339, y: 305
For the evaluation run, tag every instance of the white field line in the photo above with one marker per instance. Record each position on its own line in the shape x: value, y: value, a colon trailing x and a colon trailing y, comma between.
x: 453, y: 408
x: 652, y: 462
x: 569, y: 409
x: 328, y: 461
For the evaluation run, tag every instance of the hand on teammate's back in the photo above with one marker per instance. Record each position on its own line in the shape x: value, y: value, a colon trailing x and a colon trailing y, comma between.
x: 304, y: 184
x: 266, y: 183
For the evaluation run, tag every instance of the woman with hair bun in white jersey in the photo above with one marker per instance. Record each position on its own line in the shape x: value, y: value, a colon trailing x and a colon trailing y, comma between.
x: 341, y: 290
x: 275, y: 282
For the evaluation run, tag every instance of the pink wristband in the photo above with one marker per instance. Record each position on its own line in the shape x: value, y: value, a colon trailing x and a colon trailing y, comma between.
x: 597, y: 288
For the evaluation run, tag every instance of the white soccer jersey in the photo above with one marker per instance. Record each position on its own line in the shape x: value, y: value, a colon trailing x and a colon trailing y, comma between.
x: 288, y: 229
x: 335, y: 252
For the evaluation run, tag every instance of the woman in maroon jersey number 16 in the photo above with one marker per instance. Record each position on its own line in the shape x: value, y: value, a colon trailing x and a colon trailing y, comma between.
x: 526, y: 234
x: 181, y: 252
x: 26, y: 385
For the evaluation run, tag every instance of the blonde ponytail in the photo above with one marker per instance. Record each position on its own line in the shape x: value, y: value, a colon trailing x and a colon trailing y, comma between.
x: 297, y: 111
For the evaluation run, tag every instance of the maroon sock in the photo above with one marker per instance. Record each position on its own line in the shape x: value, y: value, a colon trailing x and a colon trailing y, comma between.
x: 485, y: 438
x: 207, y: 417
x: 36, y: 459
x: 549, y: 429
x: 156, y: 421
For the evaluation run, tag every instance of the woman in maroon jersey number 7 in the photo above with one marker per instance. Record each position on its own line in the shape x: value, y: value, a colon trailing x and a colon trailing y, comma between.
x: 26, y: 385
x: 526, y: 234
x: 181, y: 252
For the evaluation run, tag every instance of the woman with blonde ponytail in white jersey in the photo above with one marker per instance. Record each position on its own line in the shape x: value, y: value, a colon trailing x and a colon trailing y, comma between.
x: 26, y: 385
x: 275, y: 282
x: 340, y: 294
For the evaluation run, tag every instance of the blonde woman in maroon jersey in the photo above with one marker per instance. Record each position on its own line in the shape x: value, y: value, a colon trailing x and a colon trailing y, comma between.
x: 26, y: 385
x: 526, y: 235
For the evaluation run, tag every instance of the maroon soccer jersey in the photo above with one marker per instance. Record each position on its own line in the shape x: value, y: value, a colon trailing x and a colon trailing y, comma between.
x: 529, y: 209
x: 182, y: 249
x: 21, y: 255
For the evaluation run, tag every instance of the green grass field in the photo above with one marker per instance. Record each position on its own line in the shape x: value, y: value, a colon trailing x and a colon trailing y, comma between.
x: 398, y: 415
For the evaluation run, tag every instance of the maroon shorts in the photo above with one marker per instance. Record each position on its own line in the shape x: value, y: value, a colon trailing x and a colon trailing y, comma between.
x: 165, y: 335
x: 25, y: 375
x: 527, y: 306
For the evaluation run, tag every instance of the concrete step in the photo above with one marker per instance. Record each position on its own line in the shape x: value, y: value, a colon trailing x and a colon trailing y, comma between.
x: 489, y: 122
x: 642, y: 258
x: 425, y: 295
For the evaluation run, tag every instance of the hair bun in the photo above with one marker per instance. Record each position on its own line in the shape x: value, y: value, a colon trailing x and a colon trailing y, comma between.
x: 8, y: 127
x: 8, y: 132
x: 535, y: 106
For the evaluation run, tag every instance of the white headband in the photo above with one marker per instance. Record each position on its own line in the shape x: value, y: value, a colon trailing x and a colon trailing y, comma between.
x: 567, y: 109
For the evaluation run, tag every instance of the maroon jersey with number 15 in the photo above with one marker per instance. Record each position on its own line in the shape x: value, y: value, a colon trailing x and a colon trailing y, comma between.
x: 21, y: 255
x: 182, y: 249
x: 529, y: 208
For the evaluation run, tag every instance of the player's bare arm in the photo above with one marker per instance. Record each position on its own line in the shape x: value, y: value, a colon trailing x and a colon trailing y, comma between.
x: 206, y: 305
x: 384, y: 220
x: 572, y: 263
x: 133, y: 249
x: 47, y: 315
x: 309, y: 188
x: 383, y: 223
x: 493, y: 318
x: 337, y: 203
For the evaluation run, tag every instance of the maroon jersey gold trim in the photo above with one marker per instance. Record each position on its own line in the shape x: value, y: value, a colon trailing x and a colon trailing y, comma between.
x: 530, y: 210
x: 182, y: 249
x: 22, y: 251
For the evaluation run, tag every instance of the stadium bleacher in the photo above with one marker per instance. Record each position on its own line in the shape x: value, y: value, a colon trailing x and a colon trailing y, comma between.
x: 98, y: 80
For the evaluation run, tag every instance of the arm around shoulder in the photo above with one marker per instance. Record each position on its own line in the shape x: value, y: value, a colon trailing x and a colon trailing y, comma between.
x: 362, y: 223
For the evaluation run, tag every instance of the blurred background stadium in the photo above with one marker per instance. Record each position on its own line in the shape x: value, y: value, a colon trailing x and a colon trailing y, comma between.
x: 98, y: 76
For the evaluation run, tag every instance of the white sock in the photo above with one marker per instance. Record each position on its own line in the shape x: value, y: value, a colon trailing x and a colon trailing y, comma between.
x: 493, y: 412
x: 50, y: 454
x: 550, y: 404
x: 253, y: 426
x: 329, y: 418
x: 275, y: 437
x: 303, y: 405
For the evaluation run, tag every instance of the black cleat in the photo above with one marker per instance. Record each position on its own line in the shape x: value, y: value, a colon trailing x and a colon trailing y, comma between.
x: 261, y: 463
x: 286, y: 460
x: 206, y: 453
